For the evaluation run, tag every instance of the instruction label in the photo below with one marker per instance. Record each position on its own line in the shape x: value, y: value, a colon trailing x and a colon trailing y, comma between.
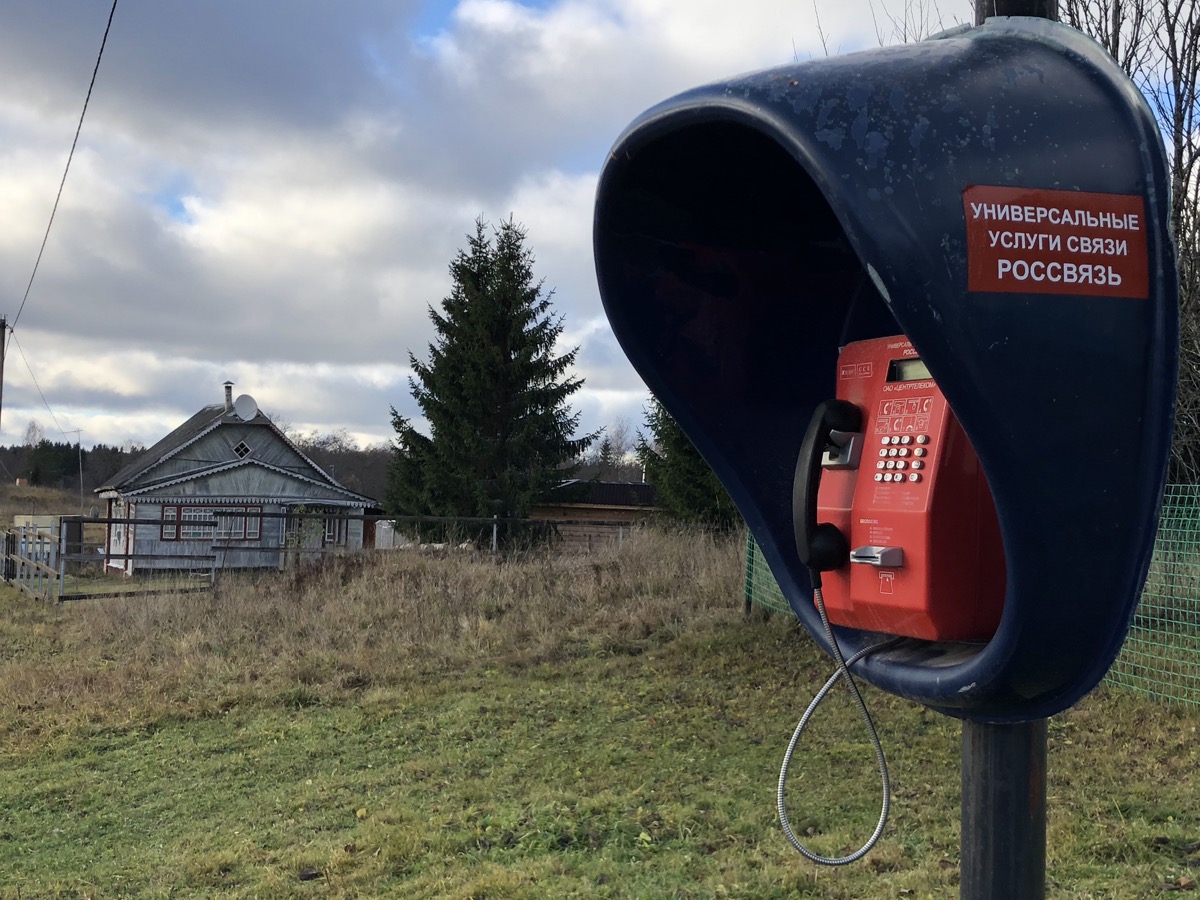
x: 1026, y: 241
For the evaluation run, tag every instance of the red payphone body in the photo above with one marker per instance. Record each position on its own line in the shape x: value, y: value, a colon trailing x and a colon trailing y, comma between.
x: 926, y: 558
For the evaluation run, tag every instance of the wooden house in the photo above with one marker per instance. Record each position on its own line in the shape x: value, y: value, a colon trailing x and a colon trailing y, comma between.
x: 227, y: 489
x: 586, y: 514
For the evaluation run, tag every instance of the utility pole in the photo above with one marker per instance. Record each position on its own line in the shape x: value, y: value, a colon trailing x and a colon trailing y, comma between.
x: 3, y: 347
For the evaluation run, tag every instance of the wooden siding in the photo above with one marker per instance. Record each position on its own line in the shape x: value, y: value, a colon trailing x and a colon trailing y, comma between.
x: 198, y: 465
x: 147, y: 539
x: 265, y: 552
x: 217, y: 447
x: 250, y: 482
x: 586, y: 526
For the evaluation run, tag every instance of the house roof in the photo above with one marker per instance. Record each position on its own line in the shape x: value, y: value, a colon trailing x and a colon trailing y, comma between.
x: 160, y: 487
x: 138, y: 477
x: 602, y: 493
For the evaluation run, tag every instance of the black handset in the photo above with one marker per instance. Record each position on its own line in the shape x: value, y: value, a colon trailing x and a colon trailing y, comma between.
x: 835, y: 425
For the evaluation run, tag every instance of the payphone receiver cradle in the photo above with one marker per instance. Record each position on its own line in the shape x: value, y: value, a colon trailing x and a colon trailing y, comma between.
x: 823, y: 546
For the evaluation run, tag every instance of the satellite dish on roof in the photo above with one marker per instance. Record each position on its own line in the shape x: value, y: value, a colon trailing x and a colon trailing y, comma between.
x: 245, y: 408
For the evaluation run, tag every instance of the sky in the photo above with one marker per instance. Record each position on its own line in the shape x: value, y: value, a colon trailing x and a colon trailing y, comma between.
x: 270, y: 192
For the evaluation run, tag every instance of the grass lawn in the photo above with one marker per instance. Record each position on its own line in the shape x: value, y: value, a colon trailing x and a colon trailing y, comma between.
x: 608, y: 763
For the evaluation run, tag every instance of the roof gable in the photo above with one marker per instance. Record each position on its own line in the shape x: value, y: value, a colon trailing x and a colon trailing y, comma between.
x: 216, y: 439
x: 248, y: 480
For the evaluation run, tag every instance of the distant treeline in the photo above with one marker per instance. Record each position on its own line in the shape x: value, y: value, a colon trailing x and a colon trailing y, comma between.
x: 61, y: 465
x: 363, y: 470
x: 58, y: 465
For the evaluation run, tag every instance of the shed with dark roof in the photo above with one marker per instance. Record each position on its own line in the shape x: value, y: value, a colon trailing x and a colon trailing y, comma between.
x: 587, y: 514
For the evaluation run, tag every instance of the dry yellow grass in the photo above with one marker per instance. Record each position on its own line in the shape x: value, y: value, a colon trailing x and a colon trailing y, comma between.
x: 356, y: 621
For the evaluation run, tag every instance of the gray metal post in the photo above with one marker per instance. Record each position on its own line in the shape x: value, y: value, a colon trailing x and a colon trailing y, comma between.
x: 41, y: 557
x: 1003, y: 811
x: 1041, y: 9
x: 62, y: 558
x: 1004, y: 766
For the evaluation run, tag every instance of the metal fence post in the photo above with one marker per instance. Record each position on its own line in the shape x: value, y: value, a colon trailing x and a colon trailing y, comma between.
x: 62, y: 559
x: 40, y: 560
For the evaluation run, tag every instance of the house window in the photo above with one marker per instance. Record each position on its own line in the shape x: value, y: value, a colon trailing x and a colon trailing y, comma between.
x: 242, y: 450
x: 336, y: 529
x: 195, y: 523
x: 231, y: 525
x: 239, y: 523
x: 118, y: 512
x: 201, y: 523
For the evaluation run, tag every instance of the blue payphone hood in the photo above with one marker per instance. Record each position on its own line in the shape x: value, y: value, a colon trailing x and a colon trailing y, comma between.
x: 1001, y: 196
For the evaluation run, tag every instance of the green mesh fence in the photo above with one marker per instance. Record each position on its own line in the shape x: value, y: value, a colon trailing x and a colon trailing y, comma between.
x: 761, y: 588
x: 1161, y: 656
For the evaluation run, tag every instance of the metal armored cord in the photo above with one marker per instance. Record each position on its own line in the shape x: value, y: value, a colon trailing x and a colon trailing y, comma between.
x: 843, y: 670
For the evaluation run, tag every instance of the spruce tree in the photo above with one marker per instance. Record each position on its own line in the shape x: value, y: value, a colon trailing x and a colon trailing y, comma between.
x: 492, y: 391
x: 685, y: 488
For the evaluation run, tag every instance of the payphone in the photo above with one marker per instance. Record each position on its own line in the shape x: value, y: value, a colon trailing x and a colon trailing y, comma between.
x: 997, y: 196
x: 952, y: 260
x: 902, y: 524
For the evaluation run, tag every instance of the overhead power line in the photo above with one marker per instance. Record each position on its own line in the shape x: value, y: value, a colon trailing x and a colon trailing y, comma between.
x: 7, y: 334
x: 45, y: 402
x: 70, y: 156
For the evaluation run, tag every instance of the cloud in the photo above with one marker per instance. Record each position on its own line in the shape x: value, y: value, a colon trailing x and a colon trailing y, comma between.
x: 271, y: 192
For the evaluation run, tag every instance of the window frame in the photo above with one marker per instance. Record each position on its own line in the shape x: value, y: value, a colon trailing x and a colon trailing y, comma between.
x: 189, y: 522
x: 201, y: 523
x: 170, y: 531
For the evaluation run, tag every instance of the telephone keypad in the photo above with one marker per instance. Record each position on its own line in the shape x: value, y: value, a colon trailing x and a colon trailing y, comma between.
x: 898, y: 457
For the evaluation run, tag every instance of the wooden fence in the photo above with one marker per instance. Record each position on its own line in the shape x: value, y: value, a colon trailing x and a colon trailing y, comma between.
x: 54, y: 562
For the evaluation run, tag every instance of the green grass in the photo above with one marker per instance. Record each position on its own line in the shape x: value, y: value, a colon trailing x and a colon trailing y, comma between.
x: 622, y: 742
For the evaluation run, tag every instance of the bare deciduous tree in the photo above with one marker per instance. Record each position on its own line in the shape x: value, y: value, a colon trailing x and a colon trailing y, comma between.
x: 1157, y: 42
x: 34, y: 433
x: 612, y: 458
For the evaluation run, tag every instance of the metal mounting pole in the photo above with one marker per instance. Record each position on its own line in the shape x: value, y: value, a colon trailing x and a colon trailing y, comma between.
x: 1040, y: 9
x: 1003, y: 811
x: 1003, y: 852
